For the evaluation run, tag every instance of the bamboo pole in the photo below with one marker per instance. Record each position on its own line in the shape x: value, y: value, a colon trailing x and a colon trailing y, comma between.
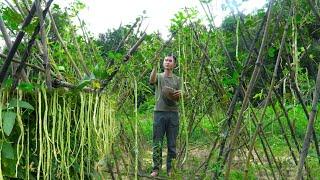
x: 259, y: 124
x: 46, y: 60
x: 64, y: 46
x: 125, y: 59
x: 27, y: 64
x: 299, y: 97
x: 81, y: 59
x: 284, y: 110
x: 232, y: 104
x: 307, y: 138
x: 248, y: 93
x: 262, y: 141
x: 283, y: 132
x: 8, y: 42
x: 14, y: 48
x: 265, y: 145
x: 29, y: 46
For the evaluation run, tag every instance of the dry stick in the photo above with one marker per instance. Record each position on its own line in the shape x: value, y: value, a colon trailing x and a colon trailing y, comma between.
x: 291, y: 129
x: 55, y: 30
x: 248, y: 93
x: 307, y: 138
x: 296, y: 89
x: 81, y: 59
x: 27, y: 64
x: 231, y: 107
x: 286, y: 114
x: 262, y: 137
x: 206, y: 57
x: 46, y: 61
x: 259, y: 157
x: 203, y: 47
x: 22, y: 12
x: 59, y: 83
x: 214, y: 82
x: 299, y: 96
x: 29, y: 46
x: 258, y: 129
x: 246, y: 138
x: 206, y: 162
x: 284, y: 132
x: 262, y: 163
x: 125, y: 59
x: 220, y: 89
x: 123, y: 41
x: 9, y: 45
x: 16, y: 43
x: 281, y: 105
x: 214, y: 76
x: 89, y: 42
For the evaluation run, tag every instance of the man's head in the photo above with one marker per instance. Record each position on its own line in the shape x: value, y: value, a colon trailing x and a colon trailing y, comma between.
x: 169, y: 62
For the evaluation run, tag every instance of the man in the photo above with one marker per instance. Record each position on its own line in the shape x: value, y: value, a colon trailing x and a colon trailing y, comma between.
x: 166, y: 117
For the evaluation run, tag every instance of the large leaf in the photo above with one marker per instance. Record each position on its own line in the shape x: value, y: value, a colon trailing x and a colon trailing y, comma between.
x: 22, y: 104
x: 8, y: 120
x: 11, y: 18
x: 7, y: 150
x: 82, y: 84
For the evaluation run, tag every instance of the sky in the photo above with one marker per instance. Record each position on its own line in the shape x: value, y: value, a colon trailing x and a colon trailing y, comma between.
x: 101, y: 15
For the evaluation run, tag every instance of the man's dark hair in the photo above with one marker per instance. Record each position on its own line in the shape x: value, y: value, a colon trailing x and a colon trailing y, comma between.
x: 174, y: 58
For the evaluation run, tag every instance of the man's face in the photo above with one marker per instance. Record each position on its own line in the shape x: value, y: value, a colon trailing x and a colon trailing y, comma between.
x: 168, y: 63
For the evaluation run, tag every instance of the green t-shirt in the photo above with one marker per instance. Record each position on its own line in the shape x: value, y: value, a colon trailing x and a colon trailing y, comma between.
x: 162, y: 102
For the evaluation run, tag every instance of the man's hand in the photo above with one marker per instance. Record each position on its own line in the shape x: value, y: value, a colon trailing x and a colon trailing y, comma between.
x: 153, y: 75
x: 176, y: 95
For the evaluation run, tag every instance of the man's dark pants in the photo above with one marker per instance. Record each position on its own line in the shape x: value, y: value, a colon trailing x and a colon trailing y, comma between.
x: 165, y: 123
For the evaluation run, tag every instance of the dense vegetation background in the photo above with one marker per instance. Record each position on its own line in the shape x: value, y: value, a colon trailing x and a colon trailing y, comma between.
x: 78, y: 107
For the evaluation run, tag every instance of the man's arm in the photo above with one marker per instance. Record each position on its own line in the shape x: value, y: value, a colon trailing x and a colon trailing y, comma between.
x: 153, y: 75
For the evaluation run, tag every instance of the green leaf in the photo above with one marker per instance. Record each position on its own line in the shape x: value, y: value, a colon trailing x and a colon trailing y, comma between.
x: 8, y: 120
x: 9, y: 168
x: 111, y: 55
x: 258, y: 95
x: 271, y: 52
x: 83, y: 84
x: 61, y: 68
x: 7, y: 150
x: 8, y: 82
x: 27, y: 87
x: 22, y: 104
x: 11, y: 18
